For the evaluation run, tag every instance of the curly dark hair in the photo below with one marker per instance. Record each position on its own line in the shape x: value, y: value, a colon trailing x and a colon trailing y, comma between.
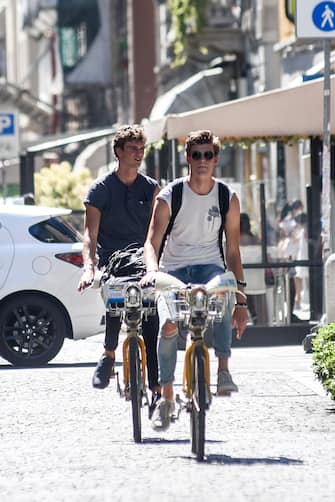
x: 128, y: 133
x: 200, y: 138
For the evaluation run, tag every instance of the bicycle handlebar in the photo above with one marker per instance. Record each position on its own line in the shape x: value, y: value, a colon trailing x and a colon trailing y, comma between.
x: 220, y: 284
x: 185, y: 300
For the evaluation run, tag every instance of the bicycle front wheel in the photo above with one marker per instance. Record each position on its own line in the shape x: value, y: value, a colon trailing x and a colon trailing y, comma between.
x: 135, y: 376
x: 198, y: 408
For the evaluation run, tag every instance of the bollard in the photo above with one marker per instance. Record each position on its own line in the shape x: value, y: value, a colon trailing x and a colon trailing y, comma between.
x: 330, y: 288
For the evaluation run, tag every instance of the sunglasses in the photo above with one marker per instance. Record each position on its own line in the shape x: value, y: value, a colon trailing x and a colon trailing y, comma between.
x: 199, y: 155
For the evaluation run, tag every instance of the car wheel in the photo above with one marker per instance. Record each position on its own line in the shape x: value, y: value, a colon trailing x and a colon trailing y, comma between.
x: 32, y: 329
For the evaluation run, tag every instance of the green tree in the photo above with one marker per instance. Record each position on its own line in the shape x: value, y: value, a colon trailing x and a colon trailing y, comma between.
x: 60, y: 186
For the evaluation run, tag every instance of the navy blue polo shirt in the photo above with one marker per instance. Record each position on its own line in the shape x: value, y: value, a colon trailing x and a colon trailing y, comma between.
x: 125, y: 211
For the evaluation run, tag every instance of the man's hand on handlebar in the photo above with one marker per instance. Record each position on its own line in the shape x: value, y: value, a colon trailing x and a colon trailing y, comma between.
x: 148, y: 279
x: 86, y: 279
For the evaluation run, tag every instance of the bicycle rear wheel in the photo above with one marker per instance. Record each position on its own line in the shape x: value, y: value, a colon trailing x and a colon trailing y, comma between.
x: 135, y: 376
x: 198, y: 409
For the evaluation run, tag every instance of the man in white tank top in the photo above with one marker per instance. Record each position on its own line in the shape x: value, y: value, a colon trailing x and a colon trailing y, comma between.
x: 192, y: 254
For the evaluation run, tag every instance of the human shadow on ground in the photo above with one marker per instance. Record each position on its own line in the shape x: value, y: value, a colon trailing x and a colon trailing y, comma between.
x: 164, y: 441
x: 173, y: 441
x: 224, y: 459
x: 227, y: 460
x: 53, y: 365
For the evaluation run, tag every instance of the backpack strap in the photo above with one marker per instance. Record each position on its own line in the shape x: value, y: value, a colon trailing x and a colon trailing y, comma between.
x: 224, y: 206
x: 176, y: 199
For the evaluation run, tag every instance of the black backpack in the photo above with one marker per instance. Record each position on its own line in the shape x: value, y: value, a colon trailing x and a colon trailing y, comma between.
x: 176, y: 199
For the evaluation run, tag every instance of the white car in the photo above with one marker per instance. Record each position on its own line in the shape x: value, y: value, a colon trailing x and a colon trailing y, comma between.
x: 40, y: 267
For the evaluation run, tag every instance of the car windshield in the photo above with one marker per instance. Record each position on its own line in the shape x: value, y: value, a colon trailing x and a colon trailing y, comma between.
x: 55, y: 230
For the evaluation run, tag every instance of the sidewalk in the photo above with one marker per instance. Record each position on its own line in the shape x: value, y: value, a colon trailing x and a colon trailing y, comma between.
x: 278, y: 361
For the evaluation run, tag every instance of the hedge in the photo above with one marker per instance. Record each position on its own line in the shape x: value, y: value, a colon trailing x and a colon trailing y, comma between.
x: 324, y: 357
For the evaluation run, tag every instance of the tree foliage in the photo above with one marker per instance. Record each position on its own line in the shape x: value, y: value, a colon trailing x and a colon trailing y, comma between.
x: 324, y: 357
x: 60, y: 186
x: 187, y: 18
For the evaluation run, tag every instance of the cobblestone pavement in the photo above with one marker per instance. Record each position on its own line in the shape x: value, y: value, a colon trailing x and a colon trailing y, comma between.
x: 61, y: 440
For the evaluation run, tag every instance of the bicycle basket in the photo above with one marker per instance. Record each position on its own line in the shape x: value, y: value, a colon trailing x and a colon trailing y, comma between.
x: 113, y: 294
x: 217, y: 306
x: 178, y: 306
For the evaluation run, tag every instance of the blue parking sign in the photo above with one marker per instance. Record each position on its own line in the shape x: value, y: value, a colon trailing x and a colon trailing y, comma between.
x: 7, y: 123
x: 9, y: 133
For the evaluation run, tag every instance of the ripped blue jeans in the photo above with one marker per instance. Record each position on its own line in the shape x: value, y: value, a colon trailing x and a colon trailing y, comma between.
x: 167, y: 346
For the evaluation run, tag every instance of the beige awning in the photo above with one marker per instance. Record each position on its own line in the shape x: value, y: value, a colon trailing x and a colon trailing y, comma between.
x: 294, y: 111
x: 155, y: 130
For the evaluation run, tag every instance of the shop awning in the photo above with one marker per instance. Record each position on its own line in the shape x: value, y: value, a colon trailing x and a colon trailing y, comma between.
x: 294, y: 111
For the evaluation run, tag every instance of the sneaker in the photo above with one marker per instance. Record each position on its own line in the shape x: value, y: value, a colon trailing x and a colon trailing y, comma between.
x: 155, y: 397
x: 161, y: 416
x: 295, y: 318
x: 225, y: 383
x: 103, y: 372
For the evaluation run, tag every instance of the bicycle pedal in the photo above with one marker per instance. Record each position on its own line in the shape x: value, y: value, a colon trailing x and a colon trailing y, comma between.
x: 188, y: 406
x: 118, y: 386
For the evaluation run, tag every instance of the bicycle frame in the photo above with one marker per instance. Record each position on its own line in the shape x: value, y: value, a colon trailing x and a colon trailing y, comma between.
x: 125, y: 299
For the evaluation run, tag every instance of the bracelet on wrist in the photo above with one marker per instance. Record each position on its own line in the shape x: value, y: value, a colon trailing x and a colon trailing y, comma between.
x: 152, y: 270
x: 241, y: 283
x: 241, y: 305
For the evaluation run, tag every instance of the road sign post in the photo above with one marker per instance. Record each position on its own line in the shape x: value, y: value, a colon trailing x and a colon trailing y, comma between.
x: 326, y: 161
x: 316, y: 19
x: 9, y: 142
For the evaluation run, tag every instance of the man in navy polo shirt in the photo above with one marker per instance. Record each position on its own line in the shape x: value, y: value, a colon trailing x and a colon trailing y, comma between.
x: 118, y: 207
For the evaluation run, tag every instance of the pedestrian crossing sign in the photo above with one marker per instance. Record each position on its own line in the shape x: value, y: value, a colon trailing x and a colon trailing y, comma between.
x: 315, y: 18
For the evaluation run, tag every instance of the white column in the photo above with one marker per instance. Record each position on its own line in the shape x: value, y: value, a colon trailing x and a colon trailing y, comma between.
x: 11, y: 41
x: 330, y: 288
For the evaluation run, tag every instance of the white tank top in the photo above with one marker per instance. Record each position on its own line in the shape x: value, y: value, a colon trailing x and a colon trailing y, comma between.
x: 194, y: 236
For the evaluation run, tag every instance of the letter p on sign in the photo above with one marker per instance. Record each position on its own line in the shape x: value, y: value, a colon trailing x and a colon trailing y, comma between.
x: 6, y: 123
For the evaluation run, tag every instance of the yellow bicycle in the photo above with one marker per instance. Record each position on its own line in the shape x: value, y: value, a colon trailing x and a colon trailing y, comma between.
x: 196, y: 306
x: 124, y: 298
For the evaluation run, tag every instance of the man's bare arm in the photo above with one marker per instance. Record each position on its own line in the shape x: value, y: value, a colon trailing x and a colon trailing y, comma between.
x: 158, y: 225
x: 232, y: 231
x: 91, y: 229
x: 156, y: 192
x: 233, y: 258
